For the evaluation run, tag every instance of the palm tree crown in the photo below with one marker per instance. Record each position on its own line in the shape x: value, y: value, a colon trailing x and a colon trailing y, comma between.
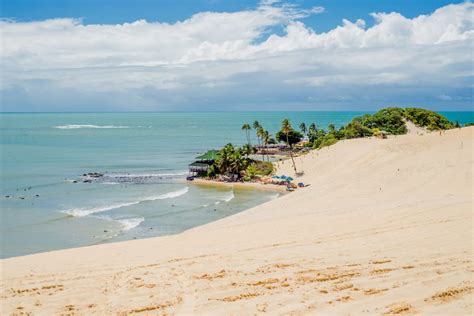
x: 303, y: 128
x: 247, y: 129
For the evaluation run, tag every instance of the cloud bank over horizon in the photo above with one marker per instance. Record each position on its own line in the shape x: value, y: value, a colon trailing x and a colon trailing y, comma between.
x: 260, y: 59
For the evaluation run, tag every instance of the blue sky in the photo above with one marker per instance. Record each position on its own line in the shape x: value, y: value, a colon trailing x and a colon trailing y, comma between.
x: 149, y: 55
x: 120, y: 11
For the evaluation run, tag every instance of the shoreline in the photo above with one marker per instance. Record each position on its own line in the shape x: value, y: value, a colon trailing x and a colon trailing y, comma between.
x: 239, y: 185
x: 373, y: 233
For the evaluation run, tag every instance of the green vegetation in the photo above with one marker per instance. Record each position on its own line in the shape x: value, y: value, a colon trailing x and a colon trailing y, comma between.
x: 258, y: 169
x: 263, y: 136
x: 290, y: 136
x: 429, y: 119
x: 235, y: 162
x: 246, y: 127
x: 386, y: 121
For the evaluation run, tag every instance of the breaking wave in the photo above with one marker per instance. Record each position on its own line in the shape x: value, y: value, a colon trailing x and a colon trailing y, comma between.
x: 226, y: 199
x: 78, y: 126
x: 129, y: 223
x: 81, y: 212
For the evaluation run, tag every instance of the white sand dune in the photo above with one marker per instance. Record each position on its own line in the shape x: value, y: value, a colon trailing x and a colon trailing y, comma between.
x: 385, y: 227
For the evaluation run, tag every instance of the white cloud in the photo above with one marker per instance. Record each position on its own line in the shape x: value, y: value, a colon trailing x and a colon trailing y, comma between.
x: 213, y: 59
x: 445, y: 97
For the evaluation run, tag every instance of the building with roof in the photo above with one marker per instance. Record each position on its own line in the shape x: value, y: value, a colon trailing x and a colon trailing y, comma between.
x: 203, y: 163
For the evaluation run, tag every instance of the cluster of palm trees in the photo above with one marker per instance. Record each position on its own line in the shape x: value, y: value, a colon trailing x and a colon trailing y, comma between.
x: 232, y: 160
x: 235, y: 160
x: 312, y: 129
x: 264, y: 137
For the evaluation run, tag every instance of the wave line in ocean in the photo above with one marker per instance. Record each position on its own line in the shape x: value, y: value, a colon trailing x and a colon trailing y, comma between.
x: 81, y: 212
x: 78, y: 126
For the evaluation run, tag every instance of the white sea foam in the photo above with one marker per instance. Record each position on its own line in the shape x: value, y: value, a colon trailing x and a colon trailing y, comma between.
x: 130, y: 223
x: 230, y: 197
x: 143, y: 175
x: 169, y: 195
x: 78, y: 126
x: 226, y: 199
x: 126, y: 223
x: 81, y: 212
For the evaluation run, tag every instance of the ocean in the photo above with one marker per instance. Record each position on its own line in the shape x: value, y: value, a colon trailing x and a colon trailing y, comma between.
x: 45, y: 205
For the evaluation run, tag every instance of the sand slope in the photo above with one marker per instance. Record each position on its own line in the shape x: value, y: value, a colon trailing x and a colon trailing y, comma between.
x: 385, y: 227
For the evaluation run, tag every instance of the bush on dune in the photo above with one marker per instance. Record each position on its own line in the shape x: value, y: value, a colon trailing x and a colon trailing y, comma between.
x: 390, y: 120
x: 429, y: 119
x: 258, y: 168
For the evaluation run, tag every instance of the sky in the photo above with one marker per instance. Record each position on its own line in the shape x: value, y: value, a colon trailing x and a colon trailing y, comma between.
x: 216, y: 55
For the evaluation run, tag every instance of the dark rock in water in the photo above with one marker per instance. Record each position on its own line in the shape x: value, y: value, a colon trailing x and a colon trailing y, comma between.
x: 22, y: 198
x: 105, y: 231
x: 84, y: 175
x: 151, y: 228
x: 75, y: 181
x: 7, y: 196
x: 87, y: 181
x: 95, y: 174
x: 37, y: 195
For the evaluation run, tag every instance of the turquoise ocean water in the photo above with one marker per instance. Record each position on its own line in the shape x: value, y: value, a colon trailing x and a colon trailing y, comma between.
x: 144, y: 157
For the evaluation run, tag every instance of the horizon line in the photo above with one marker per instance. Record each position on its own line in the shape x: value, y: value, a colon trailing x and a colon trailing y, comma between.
x: 194, y: 111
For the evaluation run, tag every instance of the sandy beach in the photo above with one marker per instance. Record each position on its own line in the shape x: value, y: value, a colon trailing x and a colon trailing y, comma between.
x: 385, y: 227
x: 240, y: 185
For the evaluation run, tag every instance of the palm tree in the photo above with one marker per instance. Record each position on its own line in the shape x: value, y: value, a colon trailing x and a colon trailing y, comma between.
x: 312, y: 130
x: 247, y: 129
x: 237, y: 163
x: 256, y: 126
x: 247, y: 150
x: 260, y: 135
x: 224, y: 158
x: 266, y: 139
x: 230, y: 160
x: 286, y: 129
x: 303, y: 128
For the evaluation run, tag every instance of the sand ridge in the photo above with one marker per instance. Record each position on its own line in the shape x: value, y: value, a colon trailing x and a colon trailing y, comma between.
x: 384, y: 228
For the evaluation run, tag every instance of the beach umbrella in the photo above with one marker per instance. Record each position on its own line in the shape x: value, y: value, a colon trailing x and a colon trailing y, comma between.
x: 283, y: 177
x: 275, y: 177
x: 289, y: 178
